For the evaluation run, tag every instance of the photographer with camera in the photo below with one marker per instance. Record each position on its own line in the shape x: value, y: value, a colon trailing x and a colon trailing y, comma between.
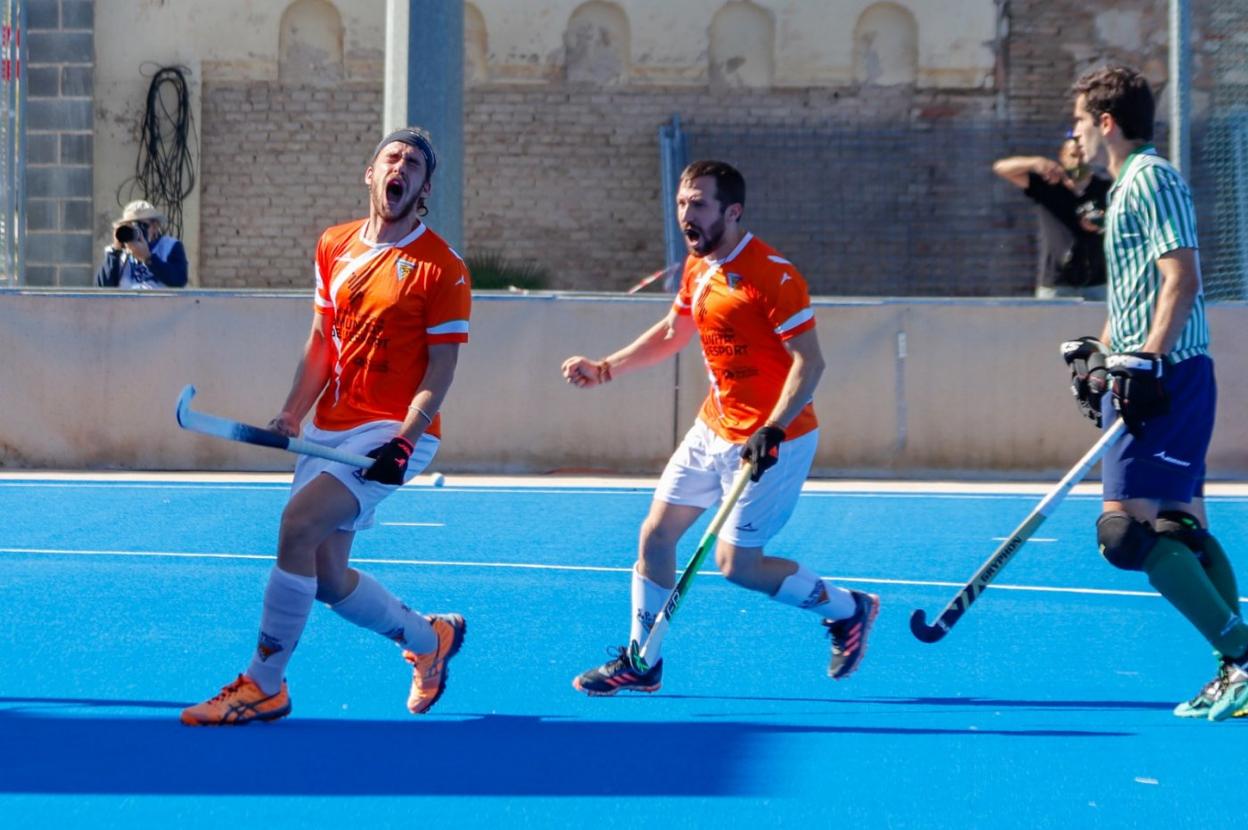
x: 1072, y: 201
x: 140, y: 256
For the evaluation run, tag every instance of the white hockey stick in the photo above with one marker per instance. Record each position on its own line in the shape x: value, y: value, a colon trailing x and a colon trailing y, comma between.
x: 235, y: 431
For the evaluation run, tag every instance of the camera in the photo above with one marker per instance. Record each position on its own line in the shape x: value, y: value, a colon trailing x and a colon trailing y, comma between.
x: 1090, y: 213
x: 127, y: 233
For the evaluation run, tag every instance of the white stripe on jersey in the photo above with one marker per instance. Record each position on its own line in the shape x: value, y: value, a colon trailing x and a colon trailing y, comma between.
x: 453, y: 327
x: 716, y: 265
x: 402, y: 243
x: 375, y: 249
x: 350, y: 268
x: 796, y: 320
x: 316, y: 274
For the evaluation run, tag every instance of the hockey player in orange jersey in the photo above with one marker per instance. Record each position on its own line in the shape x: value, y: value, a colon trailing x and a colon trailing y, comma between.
x: 751, y: 310
x: 391, y: 310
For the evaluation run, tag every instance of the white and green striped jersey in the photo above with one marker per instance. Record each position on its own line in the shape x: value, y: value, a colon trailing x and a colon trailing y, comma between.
x: 1150, y: 213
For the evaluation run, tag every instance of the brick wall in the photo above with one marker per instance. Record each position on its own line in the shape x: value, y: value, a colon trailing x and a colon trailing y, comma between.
x: 280, y: 164
x: 1051, y: 42
x: 567, y: 179
x: 59, y: 142
x: 869, y: 190
x: 859, y: 187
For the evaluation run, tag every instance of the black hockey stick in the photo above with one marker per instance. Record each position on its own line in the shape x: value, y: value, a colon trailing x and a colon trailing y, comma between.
x: 996, y: 563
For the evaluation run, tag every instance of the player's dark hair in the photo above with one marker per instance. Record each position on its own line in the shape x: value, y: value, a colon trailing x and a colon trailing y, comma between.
x: 1124, y: 94
x: 729, y: 183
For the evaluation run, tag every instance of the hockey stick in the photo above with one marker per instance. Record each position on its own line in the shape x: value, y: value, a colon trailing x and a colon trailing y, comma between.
x: 637, y: 653
x: 662, y: 273
x: 234, y: 431
x: 996, y: 563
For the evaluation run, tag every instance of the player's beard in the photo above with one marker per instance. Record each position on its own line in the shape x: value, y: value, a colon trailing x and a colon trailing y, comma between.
x: 705, y: 240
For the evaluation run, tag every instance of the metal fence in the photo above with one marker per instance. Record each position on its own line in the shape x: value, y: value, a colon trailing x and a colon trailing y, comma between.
x: 12, y: 141
x: 673, y: 156
x: 1220, y: 157
x: 915, y: 210
x: 910, y: 210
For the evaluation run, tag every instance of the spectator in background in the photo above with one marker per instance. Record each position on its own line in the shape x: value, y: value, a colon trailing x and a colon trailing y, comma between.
x: 1072, y: 201
x: 141, y: 256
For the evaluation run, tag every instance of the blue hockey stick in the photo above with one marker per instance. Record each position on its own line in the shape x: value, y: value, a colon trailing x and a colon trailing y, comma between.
x: 235, y: 431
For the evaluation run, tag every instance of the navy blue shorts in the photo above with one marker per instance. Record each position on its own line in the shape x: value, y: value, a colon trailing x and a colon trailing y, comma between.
x: 1166, y: 461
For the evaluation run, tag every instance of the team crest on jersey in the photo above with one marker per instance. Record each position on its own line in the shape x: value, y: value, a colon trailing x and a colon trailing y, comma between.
x: 403, y: 267
x: 733, y: 280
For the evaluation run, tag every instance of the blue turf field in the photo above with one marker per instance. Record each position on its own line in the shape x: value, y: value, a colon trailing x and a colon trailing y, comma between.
x: 1046, y: 707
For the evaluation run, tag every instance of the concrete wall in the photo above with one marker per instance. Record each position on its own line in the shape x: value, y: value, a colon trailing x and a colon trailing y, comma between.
x: 671, y: 43
x: 912, y: 388
x: 60, y: 76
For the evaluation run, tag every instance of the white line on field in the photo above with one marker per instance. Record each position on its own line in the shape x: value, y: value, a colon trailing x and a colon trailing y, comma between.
x: 441, y: 563
x: 1029, y: 541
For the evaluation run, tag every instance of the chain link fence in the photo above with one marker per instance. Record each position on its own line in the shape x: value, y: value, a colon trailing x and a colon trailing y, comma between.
x: 12, y: 141
x: 911, y: 210
x: 915, y: 210
x: 1220, y: 156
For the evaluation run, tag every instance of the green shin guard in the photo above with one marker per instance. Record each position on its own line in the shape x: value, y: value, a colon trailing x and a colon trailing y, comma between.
x: 1186, y: 528
x: 1178, y: 576
x: 1218, y: 568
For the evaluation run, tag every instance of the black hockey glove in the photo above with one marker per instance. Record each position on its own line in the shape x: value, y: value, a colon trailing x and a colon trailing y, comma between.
x: 391, y: 463
x: 763, y: 448
x: 1136, y: 381
x: 1088, y: 376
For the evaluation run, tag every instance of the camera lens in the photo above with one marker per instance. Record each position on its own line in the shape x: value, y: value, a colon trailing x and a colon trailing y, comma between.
x: 124, y: 233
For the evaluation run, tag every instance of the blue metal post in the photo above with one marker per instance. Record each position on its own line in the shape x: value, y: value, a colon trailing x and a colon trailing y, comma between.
x: 1180, y: 86
x: 435, y: 101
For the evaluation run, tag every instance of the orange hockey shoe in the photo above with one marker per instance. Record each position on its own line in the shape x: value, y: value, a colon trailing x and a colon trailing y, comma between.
x: 429, y: 671
x: 237, y: 704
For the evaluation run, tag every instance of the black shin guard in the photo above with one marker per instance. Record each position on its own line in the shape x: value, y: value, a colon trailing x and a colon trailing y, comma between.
x: 1124, y: 542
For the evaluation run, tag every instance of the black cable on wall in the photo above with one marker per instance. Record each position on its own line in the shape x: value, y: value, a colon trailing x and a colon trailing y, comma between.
x: 165, y: 169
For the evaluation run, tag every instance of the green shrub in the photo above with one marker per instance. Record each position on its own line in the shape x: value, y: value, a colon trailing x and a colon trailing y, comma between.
x: 492, y: 270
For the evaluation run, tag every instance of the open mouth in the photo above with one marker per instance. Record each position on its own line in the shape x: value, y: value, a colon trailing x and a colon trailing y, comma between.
x: 394, y: 190
x: 692, y: 234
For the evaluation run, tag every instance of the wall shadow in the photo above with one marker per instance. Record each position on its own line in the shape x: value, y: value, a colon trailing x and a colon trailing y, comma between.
x: 69, y: 753
x: 987, y: 702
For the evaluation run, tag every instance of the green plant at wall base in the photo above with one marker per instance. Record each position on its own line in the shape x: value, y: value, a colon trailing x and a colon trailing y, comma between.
x: 491, y: 270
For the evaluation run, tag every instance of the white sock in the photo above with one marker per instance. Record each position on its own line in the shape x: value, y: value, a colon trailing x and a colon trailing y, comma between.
x: 287, y: 604
x: 805, y: 589
x: 371, y: 606
x: 648, y: 600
